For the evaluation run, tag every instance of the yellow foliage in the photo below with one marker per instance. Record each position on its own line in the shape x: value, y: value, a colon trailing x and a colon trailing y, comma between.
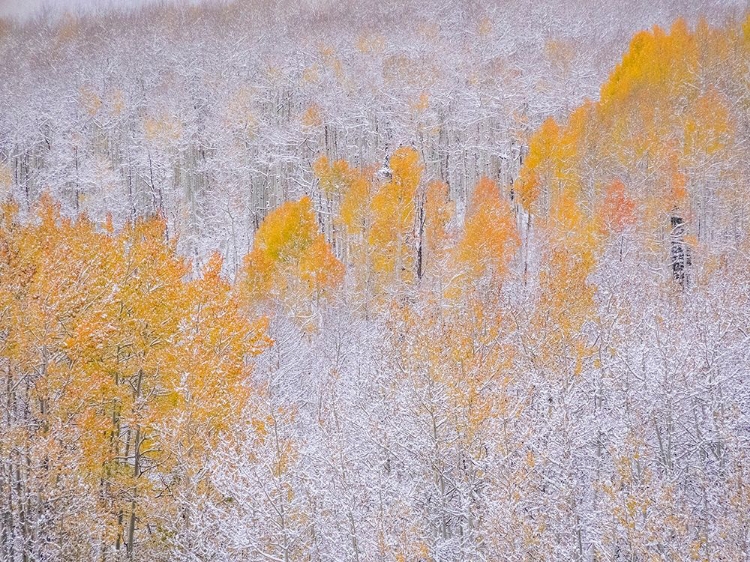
x: 421, y: 103
x: 541, y: 152
x: 311, y: 74
x: 355, y: 207
x: 6, y: 180
x: 561, y: 53
x: 485, y: 27
x: 664, y: 122
x: 134, y: 343
x: 369, y: 43
x: 290, y: 259
x: 163, y: 129
x: 393, y: 213
x: 708, y: 127
x: 313, y: 116
x: 239, y: 113
x: 334, y: 178
x: 118, y: 102
x: 438, y: 211
x: 90, y: 100
x: 401, y: 69
x: 68, y: 29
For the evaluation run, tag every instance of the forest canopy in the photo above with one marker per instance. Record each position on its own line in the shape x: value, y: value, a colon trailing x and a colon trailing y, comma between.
x: 296, y: 283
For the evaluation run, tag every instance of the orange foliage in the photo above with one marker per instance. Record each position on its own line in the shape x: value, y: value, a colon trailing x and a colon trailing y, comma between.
x: 617, y: 210
x: 490, y: 238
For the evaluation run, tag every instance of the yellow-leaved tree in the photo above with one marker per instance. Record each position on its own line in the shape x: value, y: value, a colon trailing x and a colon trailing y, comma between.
x: 392, y: 236
x: 127, y: 374
x: 291, y: 263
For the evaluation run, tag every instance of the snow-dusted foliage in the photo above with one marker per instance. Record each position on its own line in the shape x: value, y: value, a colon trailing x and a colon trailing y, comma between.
x: 376, y: 281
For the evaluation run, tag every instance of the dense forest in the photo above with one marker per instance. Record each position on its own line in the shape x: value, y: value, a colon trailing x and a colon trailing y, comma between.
x: 370, y: 281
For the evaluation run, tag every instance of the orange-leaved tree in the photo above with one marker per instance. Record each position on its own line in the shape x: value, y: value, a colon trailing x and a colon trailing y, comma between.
x: 490, y: 238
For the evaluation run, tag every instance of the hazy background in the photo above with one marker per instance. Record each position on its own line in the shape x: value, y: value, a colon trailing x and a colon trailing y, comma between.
x: 23, y: 9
